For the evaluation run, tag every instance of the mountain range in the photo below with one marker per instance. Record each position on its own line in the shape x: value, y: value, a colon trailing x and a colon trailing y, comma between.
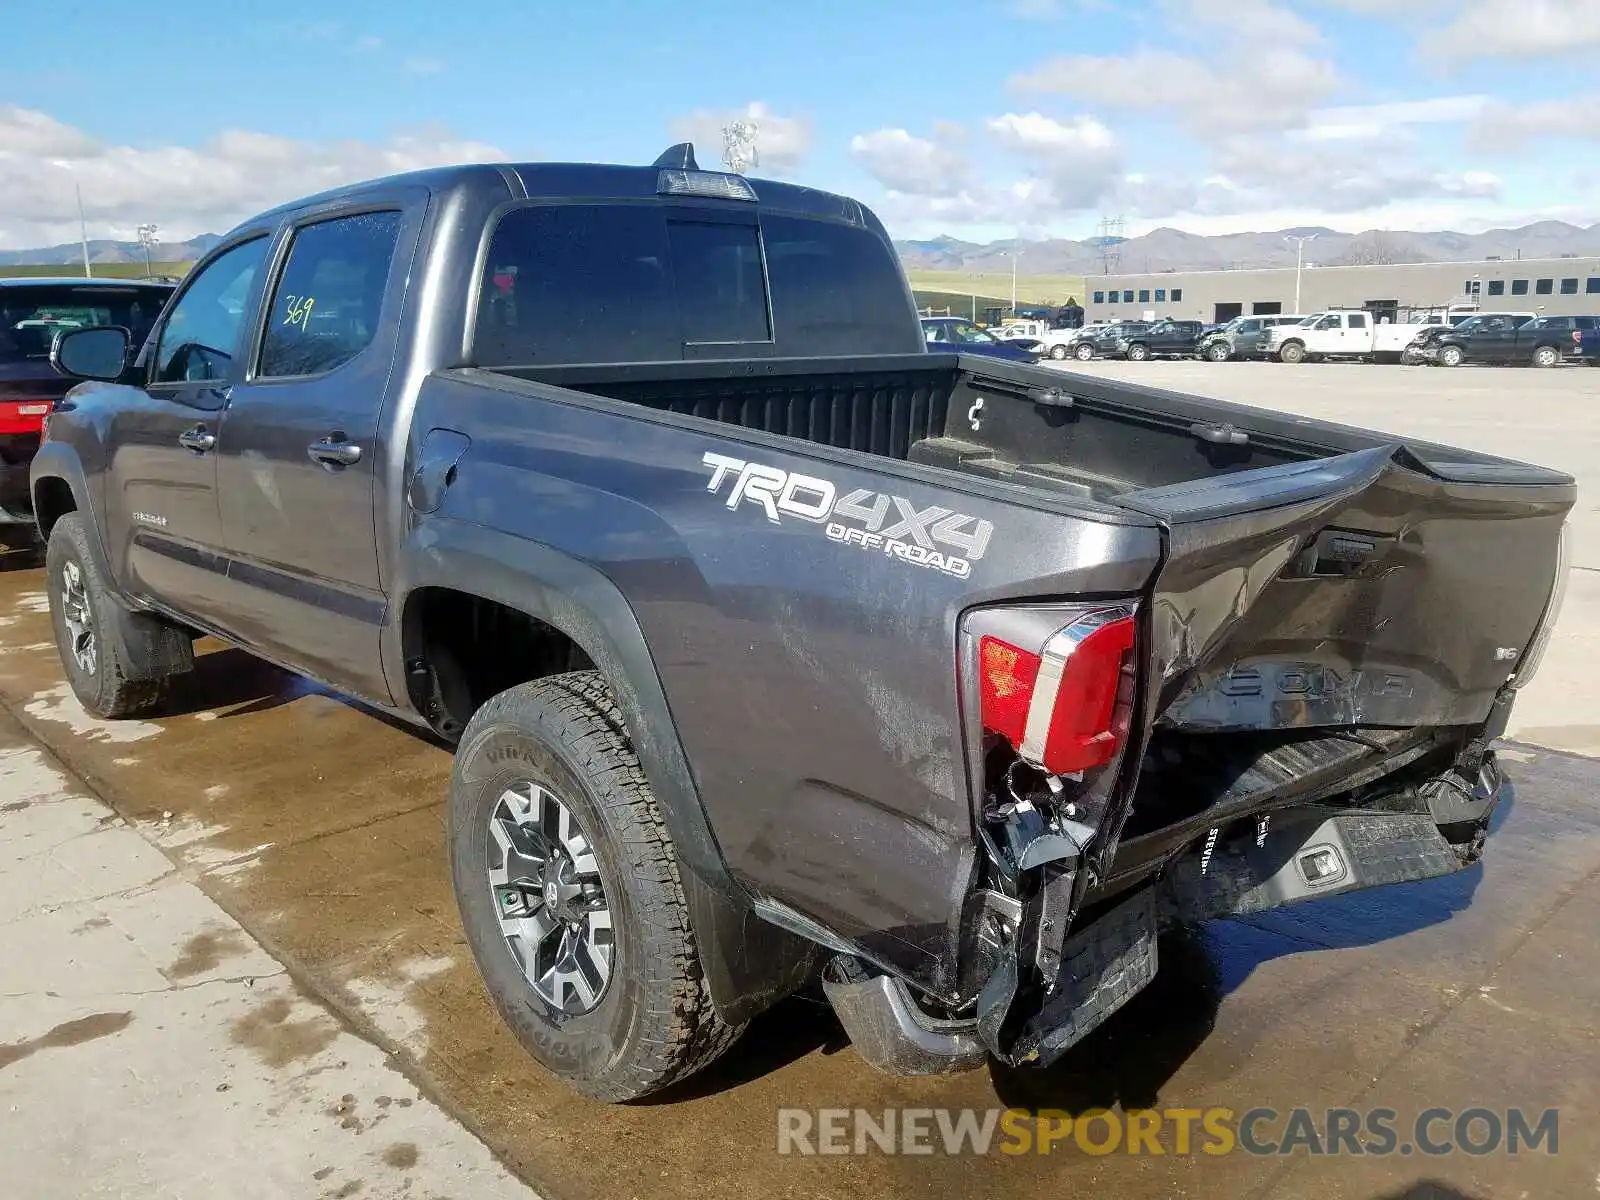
x: 105, y: 251
x: 1172, y: 249
x: 1159, y: 250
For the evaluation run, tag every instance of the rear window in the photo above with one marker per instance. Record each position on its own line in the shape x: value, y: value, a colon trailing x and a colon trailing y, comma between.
x: 593, y: 283
x: 30, y: 317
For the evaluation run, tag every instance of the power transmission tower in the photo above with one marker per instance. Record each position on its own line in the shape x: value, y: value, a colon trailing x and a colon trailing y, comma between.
x: 739, y: 151
x: 1110, y: 244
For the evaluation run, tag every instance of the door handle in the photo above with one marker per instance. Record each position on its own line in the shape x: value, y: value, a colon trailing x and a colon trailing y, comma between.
x: 332, y: 451
x: 197, y: 439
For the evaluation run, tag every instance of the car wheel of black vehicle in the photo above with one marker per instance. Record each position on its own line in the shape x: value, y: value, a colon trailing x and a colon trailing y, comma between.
x: 1138, y: 352
x: 1291, y: 352
x: 1217, y: 352
x: 571, y: 894
x: 118, y: 662
x: 1058, y: 352
x: 1450, y: 356
x: 1546, y: 356
x: 1083, y: 352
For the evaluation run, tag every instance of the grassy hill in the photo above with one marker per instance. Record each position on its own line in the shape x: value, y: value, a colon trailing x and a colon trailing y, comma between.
x: 1031, y: 289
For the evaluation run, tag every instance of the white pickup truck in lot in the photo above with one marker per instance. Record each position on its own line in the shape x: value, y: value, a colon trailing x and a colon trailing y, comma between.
x: 1340, y: 333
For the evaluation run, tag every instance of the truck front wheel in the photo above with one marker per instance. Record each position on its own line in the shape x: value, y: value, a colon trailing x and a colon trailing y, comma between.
x: 1083, y: 352
x: 571, y: 894
x: 118, y: 662
x: 1292, y: 352
x: 1546, y: 356
x: 1138, y: 352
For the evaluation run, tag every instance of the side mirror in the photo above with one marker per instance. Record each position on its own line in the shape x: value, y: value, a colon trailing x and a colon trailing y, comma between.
x: 97, y: 353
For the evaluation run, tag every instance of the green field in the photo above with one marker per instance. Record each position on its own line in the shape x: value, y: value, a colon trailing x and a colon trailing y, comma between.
x: 100, y: 270
x: 1031, y: 289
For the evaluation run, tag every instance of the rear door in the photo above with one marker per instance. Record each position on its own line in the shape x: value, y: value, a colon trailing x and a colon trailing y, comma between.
x: 298, y: 451
x: 162, y: 522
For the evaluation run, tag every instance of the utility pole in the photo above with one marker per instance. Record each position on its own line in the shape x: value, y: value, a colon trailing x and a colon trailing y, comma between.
x: 1299, y: 260
x: 147, y: 239
x: 83, y: 233
x: 1013, y: 255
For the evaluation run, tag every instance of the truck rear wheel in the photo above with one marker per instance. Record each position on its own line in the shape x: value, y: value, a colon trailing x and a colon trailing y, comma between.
x: 117, y: 661
x: 1058, y: 351
x: 571, y: 894
x: 1292, y: 352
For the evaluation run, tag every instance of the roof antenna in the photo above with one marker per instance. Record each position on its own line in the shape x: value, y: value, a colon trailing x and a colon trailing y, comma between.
x: 677, y: 158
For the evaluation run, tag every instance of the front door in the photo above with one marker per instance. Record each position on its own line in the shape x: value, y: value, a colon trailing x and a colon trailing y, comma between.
x: 162, y: 523
x: 1493, y: 339
x: 298, y: 453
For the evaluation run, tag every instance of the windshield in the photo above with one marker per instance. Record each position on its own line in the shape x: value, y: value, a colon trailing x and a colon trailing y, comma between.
x: 31, y: 316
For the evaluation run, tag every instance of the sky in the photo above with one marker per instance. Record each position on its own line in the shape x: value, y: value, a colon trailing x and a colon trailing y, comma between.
x: 981, y: 120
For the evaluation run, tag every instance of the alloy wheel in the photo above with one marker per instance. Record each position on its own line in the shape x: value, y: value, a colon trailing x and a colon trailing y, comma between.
x: 550, y: 899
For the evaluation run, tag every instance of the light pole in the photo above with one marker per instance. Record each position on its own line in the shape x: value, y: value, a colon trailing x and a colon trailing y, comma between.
x: 147, y: 239
x: 1299, y: 241
x: 1013, y: 255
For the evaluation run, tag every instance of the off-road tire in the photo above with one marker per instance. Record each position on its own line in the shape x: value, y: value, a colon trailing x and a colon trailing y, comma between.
x: 1292, y: 352
x: 1083, y: 352
x: 138, y: 656
x: 654, y: 1024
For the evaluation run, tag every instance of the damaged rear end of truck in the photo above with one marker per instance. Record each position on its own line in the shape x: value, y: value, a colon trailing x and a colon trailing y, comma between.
x: 1301, y: 701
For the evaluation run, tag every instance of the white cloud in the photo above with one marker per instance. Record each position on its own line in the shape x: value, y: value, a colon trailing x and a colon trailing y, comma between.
x: 1504, y: 127
x: 1281, y: 86
x: 186, y: 190
x: 1069, y: 166
x: 781, y: 142
x: 1036, y: 10
x: 1257, y: 21
x: 1516, y: 29
x: 419, y: 64
x: 1368, y: 121
x: 904, y: 162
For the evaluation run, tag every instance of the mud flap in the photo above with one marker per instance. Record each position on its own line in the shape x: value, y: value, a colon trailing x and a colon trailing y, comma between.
x: 1103, y: 965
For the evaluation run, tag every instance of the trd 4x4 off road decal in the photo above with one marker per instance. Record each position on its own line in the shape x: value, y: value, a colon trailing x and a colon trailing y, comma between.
x: 927, y: 537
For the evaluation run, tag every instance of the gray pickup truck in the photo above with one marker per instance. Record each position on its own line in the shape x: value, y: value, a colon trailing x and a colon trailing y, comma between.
x: 771, y: 644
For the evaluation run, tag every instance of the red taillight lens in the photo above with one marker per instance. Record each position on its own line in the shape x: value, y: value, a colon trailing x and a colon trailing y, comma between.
x: 1007, y: 676
x: 1058, y: 708
x: 1083, y: 731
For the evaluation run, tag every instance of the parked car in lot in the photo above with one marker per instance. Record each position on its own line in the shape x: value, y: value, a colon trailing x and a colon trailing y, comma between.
x: 1339, y: 333
x: 33, y: 311
x: 1139, y: 340
x: 767, y: 638
x: 950, y: 333
x: 1242, y: 337
x: 1542, y: 341
x: 1446, y: 344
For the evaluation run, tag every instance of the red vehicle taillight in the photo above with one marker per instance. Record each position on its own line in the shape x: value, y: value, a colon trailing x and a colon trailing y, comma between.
x: 1058, y: 707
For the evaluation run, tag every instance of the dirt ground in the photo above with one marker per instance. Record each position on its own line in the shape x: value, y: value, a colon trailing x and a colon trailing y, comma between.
x: 318, y: 826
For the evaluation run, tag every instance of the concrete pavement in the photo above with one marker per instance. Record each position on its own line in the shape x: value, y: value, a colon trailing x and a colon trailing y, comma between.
x: 149, y: 1047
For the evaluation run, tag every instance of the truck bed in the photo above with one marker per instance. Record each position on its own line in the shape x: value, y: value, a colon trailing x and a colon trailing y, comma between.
x: 1065, y: 433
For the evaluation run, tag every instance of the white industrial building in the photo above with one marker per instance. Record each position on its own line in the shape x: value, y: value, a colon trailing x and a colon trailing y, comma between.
x: 1557, y: 286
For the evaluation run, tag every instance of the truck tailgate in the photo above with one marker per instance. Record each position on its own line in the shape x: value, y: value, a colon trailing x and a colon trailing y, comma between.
x: 1369, y: 588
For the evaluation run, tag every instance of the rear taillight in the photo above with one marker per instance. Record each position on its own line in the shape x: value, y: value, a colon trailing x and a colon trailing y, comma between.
x: 1058, y: 705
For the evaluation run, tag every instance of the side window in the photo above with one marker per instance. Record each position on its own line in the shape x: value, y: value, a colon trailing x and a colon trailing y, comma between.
x: 1357, y: 321
x: 201, y: 338
x: 1519, y: 287
x: 1543, y: 287
x: 1144, y: 295
x: 1329, y: 322
x: 1569, y: 287
x: 1100, y: 297
x: 1591, y: 285
x: 326, y: 303
x: 1127, y: 296
x: 1177, y: 295
x: 1161, y: 295
x: 1497, y: 287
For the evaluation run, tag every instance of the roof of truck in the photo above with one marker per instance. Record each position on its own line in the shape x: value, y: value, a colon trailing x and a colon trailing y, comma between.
x: 592, y: 181
x: 79, y: 281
